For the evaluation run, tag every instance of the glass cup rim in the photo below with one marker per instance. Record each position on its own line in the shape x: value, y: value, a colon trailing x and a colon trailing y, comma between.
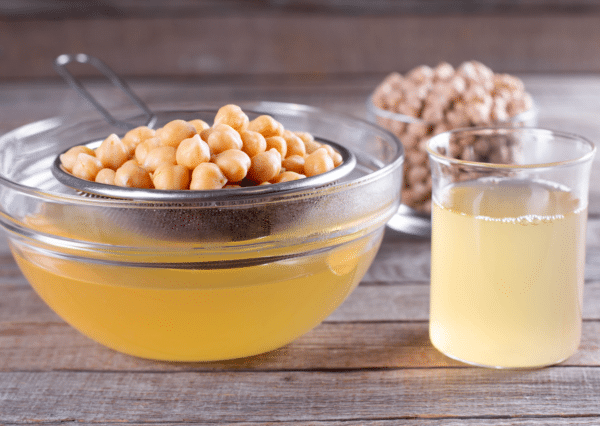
x: 432, y: 144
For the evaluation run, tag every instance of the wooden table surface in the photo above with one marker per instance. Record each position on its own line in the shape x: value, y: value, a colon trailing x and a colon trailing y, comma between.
x: 369, y: 363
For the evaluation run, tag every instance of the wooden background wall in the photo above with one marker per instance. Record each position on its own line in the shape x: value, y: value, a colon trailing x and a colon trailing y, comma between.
x: 298, y: 39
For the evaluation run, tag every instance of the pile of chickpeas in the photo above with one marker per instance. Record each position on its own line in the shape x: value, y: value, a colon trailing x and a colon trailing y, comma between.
x: 442, y: 98
x: 192, y: 155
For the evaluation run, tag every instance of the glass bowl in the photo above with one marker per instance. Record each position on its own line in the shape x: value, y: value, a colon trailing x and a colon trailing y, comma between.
x: 148, y: 279
x: 414, y: 214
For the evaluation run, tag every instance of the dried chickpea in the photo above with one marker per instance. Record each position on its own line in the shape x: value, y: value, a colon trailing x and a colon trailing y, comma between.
x: 175, y: 131
x: 171, y: 177
x: 253, y: 143
x: 417, y: 174
x: 234, y: 164
x: 266, y: 126
x: 233, y: 116
x: 278, y: 143
x: 318, y: 162
x: 112, y: 152
x: 132, y: 175
x: 86, y: 166
x: 222, y: 138
x: 443, y: 71
x: 159, y: 155
x: 207, y: 176
x: 294, y: 163
x: 287, y: 176
x: 295, y: 145
x: 192, y: 151
x: 145, y: 147
x: 199, y: 125
x: 69, y: 158
x: 136, y: 136
x: 106, y: 176
x: 265, y: 166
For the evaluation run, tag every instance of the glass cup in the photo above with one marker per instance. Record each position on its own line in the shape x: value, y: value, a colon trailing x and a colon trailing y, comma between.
x: 508, y: 245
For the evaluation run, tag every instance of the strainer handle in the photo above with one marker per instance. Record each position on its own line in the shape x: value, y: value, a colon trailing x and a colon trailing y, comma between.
x: 60, y: 64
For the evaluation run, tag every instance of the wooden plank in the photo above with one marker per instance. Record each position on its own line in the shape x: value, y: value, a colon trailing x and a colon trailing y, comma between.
x: 392, y: 300
x: 478, y: 421
x: 378, y: 326
x: 506, y: 420
x: 265, y: 44
x: 388, y: 394
x: 61, y: 9
x: 330, y: 346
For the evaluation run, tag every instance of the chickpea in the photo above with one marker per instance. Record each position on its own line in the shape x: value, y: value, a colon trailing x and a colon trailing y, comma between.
x: 233, y: 116
x: 329, y: 149
x: 312, y: 146
x: 232, y: 186
x: 265, y: 166
x: 234, y: 164
x: 158, y: 156
x: 145, y: 147
x: 171, y: 177
x: 69, y: 158
x: 305, y: 136
x: 199, y: 125
x: 481, y: 147
x: 318, y: 162
x: 443, y: 71
x: 287, y: 176
x: 86, y: 166
x: 204, y: 134
x: 417, y: 175
x: 337, y: 159
x: 266, y: 126
x: 132, y: 175
x: 278, y: 143
x: 112, y: 152
x: 106, y: 176
x: 421, y: 74
x: 294, y: 163
x: 222, y: 138
x: 295, y: 145
x: 136, y: 136
x: 175, y: 131
x: 132, y: 161
x: 253, y: 143
x: 207, y: 176
x: 192, y: 151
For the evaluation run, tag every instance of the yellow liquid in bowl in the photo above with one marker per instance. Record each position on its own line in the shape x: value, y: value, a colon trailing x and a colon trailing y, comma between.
x: 507, y: 274
x: 198, y: 315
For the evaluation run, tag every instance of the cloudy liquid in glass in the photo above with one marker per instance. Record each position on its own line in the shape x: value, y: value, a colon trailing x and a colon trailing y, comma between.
x: 507, y: 273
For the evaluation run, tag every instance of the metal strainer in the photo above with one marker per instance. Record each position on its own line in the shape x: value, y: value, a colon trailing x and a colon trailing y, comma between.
x: 189, y: 215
